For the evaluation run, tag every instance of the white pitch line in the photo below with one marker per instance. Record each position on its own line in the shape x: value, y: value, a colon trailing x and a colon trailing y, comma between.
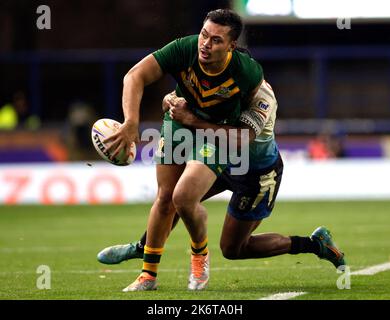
x: 372, y: 270
x: 367, y: 271
x: 283, y: 296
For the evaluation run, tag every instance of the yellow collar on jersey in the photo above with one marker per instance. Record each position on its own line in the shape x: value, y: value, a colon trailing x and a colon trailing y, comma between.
x: 229, y: 57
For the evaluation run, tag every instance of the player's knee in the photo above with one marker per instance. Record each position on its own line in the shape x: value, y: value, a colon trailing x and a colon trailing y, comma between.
x: 164, y: 198
x: 183, y: 203
x: 230, y: 251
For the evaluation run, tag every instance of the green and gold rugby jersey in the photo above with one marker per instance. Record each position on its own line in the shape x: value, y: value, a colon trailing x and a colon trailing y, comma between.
x: 218, y: 98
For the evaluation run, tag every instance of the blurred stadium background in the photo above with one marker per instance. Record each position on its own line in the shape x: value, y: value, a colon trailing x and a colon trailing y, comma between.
x: 332, y: 85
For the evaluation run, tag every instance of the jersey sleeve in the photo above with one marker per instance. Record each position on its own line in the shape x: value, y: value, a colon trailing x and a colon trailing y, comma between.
x: 262, y: 109
x: 249, y: 73
x: 176, y: 55
x: 254, y: 74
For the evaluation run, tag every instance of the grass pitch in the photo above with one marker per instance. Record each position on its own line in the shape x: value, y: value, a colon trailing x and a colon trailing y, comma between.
x: 67, y: 239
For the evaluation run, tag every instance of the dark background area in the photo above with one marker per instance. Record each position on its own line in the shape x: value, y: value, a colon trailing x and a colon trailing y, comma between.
x: 318, y: 72
x: 143, y: 26
x: 105, y: 24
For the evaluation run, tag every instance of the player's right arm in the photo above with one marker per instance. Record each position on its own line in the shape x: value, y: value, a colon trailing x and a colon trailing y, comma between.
x: 170, y: 59
x: 142, y: 74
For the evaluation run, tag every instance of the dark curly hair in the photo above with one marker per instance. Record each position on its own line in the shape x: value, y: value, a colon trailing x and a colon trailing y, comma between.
x: 226, y: 17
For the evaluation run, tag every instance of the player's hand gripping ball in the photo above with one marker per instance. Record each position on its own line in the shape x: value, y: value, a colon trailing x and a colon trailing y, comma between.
x: 102, y: 129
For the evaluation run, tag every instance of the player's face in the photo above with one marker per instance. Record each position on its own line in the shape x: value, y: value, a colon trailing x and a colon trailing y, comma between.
x: 214, y: 43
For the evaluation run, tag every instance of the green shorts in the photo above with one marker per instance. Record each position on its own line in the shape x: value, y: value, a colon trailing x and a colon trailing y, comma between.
x: 179, y: 144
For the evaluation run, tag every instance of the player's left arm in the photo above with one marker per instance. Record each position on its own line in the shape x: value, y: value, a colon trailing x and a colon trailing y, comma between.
x: 262, y: 104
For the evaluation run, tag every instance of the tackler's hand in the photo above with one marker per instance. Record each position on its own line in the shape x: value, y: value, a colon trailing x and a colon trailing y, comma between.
x: 181, y: 113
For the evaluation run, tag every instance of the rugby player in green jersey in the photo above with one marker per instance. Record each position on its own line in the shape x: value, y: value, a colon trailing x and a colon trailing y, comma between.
x: 253, y: 197
x: 215, y: 80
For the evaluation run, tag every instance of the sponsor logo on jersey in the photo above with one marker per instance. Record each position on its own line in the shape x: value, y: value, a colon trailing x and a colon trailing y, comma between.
x: 264, y: 106
x: 205, y: 84
x: 223, y: 92
x: 207, y: 150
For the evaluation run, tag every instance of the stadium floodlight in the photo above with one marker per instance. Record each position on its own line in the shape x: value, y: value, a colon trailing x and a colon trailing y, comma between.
x: 319, y: 9
x: 269, y: 8
x: 277, y: 11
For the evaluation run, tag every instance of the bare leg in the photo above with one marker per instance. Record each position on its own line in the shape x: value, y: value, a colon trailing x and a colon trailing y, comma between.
x: 237, y: 241
x: 162, y: 212
x: 193, y: 184
x: 212, y: 192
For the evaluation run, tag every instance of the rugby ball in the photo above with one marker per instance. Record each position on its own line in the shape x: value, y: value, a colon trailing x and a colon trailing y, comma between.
x: 104, y: 128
